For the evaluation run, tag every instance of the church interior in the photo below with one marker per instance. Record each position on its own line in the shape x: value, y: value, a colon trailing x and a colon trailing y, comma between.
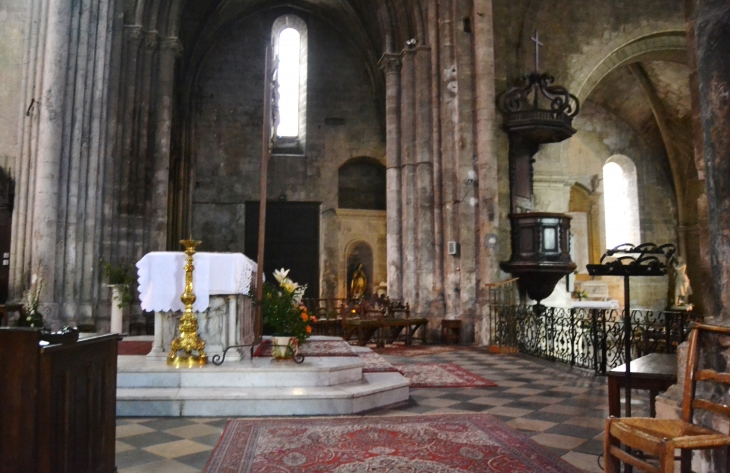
x: 465, y: 192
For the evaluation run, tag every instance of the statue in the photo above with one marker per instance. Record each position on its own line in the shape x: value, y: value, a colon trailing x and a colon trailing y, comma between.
x: 359, y: 283
x: 682, y: 289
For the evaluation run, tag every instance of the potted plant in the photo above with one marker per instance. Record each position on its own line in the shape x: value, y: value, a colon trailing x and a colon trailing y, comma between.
x: 284, y: 315
x: 119, y: 278
x: 31, y: 315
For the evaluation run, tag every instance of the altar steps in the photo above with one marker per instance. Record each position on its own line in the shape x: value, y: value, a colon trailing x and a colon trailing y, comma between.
x: 262, y: 387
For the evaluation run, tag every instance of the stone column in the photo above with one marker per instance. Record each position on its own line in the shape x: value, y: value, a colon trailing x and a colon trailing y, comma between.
x: 141, y: 210
x: 50, y: 148
x: 449, y: 156
x: 170, y: 49
x: 22, y: 227
x: 712, y: 22
x: 391, y: 65
x: 487, y: 189
x: 408, y: 177
x: 424, y: 253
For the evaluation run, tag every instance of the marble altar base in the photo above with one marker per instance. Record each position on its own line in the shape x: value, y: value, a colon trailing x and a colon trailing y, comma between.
x: 228, y: 321
x: 333, y: 385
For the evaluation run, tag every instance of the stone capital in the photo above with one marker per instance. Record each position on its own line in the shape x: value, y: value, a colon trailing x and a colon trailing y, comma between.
x: 172, y: 45
x: 133, y: 33
x: 390, y: 63
x: 151, y: 39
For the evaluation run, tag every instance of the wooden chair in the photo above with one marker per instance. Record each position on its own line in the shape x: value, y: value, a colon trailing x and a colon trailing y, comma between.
x: 660, y: 437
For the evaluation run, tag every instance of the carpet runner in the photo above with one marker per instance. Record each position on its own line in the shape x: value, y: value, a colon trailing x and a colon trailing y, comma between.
x: 312, y: 348
x: 134, y: 347
x: 442, y: 375
x: 424, y: 444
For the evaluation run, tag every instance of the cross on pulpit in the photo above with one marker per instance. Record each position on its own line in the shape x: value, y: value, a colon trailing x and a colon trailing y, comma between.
x: 536, y: 39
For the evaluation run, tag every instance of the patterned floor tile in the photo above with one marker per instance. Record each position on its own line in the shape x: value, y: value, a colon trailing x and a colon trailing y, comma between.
x: 177, y: 448
x: 561, y: 408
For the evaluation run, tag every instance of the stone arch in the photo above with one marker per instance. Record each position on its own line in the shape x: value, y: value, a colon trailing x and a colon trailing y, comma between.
x: 668, y: 45
x: 361, y: 184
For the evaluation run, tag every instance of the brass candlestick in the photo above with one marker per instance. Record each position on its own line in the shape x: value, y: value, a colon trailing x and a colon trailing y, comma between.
x: 188, y: 339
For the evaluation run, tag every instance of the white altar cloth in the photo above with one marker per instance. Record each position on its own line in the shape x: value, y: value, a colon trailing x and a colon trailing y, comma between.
x: 161, y: 278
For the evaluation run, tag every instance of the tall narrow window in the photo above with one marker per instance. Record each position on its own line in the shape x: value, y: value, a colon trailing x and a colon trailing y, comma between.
x: 289, y: 35
x: 621, y: 202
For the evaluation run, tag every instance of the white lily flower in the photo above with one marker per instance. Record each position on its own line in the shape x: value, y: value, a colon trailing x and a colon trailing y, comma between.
x: 280, y: 275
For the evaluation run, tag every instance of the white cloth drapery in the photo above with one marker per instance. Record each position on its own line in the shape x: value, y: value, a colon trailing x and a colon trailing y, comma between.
x: 161, y: 278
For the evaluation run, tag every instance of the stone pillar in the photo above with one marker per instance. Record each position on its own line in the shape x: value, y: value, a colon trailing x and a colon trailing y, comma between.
x: 408, y: 177
x: 141, y: 210
x: 450, y: 140
x: 391, y: 65
x: 487, y: 188
x: 438, y: 304
x: 122, y: 174
x: 424, y: 253
x: 22, y: 228
x: 712, y: 22
x: 170, y: 49
x: 50, y: 149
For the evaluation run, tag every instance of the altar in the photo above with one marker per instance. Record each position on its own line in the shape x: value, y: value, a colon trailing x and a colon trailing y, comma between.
x: 260, y: 386
x: 222, y: 282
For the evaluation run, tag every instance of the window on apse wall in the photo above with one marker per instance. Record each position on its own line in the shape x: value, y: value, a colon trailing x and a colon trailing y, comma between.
x: 621, y: 202
x: 289, y: 36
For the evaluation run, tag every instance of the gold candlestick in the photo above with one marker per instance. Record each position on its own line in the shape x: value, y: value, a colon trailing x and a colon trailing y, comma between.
x: 188, y: 339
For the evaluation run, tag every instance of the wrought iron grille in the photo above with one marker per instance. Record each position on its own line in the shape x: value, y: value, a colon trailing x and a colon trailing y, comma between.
x: 587, y: 338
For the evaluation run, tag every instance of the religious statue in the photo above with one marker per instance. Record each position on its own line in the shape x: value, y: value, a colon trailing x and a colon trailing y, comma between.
x: 359, y: 283
x: 682, y: 289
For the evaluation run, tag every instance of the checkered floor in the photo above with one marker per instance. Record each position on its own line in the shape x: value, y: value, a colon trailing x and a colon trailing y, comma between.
x: 561, y: 409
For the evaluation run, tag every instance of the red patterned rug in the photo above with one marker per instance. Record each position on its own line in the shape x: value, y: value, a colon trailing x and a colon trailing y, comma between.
x: 442, y: 375
x: 312, y: 348
x: 425, y: 444
x: 375, y: 363
x: 134, y: 348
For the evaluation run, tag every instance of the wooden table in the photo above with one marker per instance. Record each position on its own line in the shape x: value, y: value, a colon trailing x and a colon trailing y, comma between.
x: 654, y: 372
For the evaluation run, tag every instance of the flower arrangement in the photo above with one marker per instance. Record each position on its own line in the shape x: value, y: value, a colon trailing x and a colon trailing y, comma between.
x: 283, y: 310
x: 31, y: 315
x: 122, y: 276
x: 580, y: 295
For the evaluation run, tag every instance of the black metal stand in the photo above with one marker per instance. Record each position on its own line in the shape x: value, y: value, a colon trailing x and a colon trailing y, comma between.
x: 641, y: 260
x: 218, y: 359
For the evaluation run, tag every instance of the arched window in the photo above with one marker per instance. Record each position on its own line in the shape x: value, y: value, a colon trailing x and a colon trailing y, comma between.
x: 361, y: 184
x: 621, y: 202
x: 289, y: 37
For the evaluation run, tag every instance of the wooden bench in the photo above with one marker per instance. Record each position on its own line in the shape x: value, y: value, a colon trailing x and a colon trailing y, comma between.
x: 382, y: 321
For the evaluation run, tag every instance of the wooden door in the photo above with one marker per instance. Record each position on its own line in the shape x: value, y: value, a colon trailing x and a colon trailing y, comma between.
x: 292, y: 240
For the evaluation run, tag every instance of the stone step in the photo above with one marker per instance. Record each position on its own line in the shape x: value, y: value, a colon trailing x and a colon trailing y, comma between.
x: 143, y: 372
x: 373, y: 390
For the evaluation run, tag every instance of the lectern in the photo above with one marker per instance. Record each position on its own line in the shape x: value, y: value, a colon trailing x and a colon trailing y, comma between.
x: 57, y: 403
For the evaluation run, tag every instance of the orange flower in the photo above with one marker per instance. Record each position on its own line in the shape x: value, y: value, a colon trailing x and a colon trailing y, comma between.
x: 305, y: 317
x: 309, y: 329
x: 312, y: 318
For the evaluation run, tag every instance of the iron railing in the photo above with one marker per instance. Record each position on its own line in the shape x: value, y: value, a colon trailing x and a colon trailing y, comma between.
x: 587, y: 338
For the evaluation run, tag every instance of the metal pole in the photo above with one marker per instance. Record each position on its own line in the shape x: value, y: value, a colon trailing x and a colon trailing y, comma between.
x: 627, y: 343
x: 265, y: 155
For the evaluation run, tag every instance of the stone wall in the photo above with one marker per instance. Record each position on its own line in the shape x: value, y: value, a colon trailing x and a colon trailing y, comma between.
x: 343, y: 122
x: 13, y: 17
